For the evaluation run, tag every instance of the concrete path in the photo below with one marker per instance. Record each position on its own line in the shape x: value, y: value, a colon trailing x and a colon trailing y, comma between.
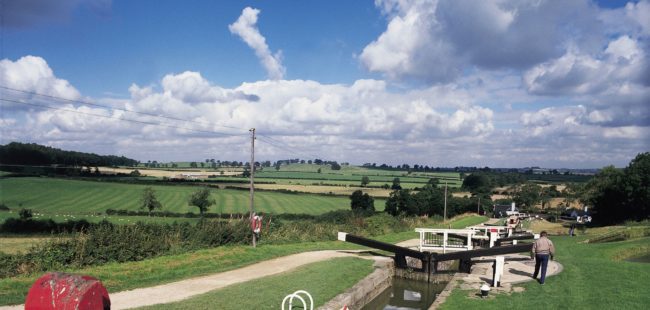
x: 180, y: 290
x: 518, y: 268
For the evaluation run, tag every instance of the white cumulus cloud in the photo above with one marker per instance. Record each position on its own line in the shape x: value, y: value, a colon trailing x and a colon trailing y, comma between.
x: 246, y: 28
x: 32, y: 74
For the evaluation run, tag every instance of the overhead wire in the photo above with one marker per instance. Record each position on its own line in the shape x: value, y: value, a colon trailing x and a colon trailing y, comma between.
x: 284, y: 146
x: 262, y: 137
x: 118, y: 109
x: 121, y: 119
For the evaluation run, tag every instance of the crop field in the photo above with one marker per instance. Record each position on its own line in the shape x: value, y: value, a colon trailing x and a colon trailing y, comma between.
x: 353, y: 177
x: 13, y: 245
x: 73, y: 197
x: 305, y: 174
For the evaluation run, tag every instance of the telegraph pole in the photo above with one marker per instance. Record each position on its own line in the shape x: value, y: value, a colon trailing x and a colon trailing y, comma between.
x: 252, y: 185
x: 445, y: 218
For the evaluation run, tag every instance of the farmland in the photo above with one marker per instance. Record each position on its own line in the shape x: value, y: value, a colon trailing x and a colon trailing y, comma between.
x: 308, y: 178
x: 75, y: 197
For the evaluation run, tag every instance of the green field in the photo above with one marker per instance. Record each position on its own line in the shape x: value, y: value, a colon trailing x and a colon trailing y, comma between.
x: 73, y: 197
x: 592, y: 278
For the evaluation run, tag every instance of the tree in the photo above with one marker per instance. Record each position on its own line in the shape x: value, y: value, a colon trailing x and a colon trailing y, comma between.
x: 362, y: 203
x: 193, y: 164
x: 336, y: 166
x: 527, y: 195
x: 619, y: 195
x: 149, y: 200
x: 401, y: 202
x: 396, y: 184
x: 638, y: 186
x: 318, y: 170
x: 365, y: 180
x: 201, y: 199
x: 431, y: 201
x: 477, y: 183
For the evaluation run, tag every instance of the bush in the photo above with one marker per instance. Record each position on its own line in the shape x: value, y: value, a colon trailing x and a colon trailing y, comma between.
x: 4, y: 207
x: 25, y: 214
x: 30, y: 226
x: 106, y: 242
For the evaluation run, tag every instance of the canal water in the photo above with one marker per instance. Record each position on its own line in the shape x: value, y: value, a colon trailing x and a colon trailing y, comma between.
x: 406, y: 294
x: 640, y: 259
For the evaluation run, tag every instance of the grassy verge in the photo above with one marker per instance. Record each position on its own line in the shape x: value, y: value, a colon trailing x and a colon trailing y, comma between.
x: 118, y: 277
x: 323, y: 280
x: 465, y: 220
x: 592, y: 279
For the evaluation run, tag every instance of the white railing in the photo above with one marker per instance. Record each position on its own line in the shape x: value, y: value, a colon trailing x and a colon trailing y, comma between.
x: 438, y: 239
x: 296, y: 295
x: 484, y: 230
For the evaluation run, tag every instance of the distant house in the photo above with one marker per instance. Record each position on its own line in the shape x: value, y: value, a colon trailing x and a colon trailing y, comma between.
x: 580, y: 216
x: 504, y: 210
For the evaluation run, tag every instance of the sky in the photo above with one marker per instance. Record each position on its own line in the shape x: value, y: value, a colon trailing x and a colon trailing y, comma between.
x: 503, y: 83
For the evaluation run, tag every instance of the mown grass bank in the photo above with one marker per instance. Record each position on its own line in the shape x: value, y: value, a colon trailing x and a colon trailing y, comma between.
x: 594, y: 277
x: 123, y: 276
x: 323, y: 280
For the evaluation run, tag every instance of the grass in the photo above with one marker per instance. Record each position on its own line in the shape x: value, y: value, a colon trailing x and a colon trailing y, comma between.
x: 592, y: 278
x: 125, y: 276
x: 13, y: 245
x: 323, y: 280
x: 60, y: 196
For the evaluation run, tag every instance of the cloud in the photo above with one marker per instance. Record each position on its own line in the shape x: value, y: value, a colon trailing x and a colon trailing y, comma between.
x: 435, y: 41
x: 621, y: 62
x: 27, y: 13
x: 32, y: 74
x: 246, y: 28
x: 443, y: 125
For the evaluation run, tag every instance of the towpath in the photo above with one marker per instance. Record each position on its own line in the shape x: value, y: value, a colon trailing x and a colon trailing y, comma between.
x: 176, y: 291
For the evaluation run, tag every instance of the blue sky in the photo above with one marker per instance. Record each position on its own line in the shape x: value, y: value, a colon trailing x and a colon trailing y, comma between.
x: 443, y: 83
x: 141, y: 41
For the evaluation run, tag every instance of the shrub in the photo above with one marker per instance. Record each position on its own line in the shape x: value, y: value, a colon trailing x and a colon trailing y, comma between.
x: 106, y: 242
x: 4, y: 207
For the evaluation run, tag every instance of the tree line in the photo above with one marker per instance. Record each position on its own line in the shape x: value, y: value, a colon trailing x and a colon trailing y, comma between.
x: 32, y: 154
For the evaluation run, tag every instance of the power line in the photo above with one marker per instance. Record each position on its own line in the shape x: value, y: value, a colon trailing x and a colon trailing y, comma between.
x: 118, y: 109
x: 264, y: 138
x: 122, y: 119
x: 286, y: 148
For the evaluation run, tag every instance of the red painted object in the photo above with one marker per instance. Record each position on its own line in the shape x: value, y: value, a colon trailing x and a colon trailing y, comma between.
x: 56, y: 290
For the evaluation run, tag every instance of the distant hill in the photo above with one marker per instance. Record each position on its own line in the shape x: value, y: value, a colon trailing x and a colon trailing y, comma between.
x: 16, y: 154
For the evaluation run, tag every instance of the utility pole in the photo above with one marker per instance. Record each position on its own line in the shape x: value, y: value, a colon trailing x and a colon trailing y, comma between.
x: 252, y: 185
x: 445, y: 218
